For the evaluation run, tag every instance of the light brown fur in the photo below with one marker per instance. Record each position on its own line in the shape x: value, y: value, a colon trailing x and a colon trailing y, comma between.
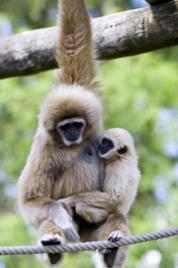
x: 54, y: 170
x: 49, y: 159
x: 75, y: 47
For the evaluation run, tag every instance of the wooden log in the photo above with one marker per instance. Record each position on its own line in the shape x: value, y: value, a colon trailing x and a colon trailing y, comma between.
x: 121, y: 34
x: 156, y: 2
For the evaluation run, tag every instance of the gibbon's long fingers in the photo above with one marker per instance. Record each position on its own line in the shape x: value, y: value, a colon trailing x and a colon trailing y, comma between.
x: 75, y: 50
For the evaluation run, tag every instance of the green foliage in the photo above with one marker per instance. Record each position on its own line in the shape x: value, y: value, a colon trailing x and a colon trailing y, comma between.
x: 136, y: 91
x: 41, y: 13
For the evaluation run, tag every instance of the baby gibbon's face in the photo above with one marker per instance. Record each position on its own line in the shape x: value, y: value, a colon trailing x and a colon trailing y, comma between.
x: 115, y: 143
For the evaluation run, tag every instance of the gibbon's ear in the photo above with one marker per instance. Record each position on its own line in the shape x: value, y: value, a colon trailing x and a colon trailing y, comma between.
x: 49, y: 124
x: 74, y: 53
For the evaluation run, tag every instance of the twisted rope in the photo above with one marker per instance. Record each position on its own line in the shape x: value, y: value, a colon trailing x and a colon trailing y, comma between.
x: 22, y: 250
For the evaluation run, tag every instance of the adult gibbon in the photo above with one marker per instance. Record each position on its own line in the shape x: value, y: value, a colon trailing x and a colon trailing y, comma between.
x: 63, y: 160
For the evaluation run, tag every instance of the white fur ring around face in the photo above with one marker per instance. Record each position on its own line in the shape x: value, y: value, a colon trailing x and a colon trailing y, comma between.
x: 115, y: 236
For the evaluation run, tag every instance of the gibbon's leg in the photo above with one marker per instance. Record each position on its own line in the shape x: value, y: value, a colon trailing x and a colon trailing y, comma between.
x: 50, y: 234
x: 62, y: 216
x: 113, y: 229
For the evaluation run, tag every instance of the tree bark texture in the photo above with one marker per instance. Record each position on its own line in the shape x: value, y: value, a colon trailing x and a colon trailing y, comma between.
x: 121, y: 34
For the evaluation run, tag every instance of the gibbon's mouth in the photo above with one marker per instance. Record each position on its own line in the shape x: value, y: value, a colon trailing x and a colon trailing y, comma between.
x: 75, y: 142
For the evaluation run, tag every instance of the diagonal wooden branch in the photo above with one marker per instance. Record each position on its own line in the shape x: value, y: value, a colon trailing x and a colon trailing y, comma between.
x: 122, y: 34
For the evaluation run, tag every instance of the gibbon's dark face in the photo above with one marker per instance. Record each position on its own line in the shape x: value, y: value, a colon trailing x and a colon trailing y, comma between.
x: 71, y: 130
x: 108, y: 149
x: 105, y: 146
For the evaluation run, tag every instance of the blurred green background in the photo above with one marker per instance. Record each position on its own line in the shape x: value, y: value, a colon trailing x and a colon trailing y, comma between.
x: 140, y: 94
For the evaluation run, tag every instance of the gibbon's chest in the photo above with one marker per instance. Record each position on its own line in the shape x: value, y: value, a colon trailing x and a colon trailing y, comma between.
x: 82, y: 175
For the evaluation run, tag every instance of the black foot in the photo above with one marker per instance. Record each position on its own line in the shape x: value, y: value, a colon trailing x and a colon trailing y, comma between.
x: 51, y: 242
x: 109, y: 257
x: 51, y: 239
x: 54, y: 258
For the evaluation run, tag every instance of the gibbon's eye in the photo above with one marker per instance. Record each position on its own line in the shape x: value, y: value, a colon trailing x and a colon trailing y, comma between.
x: 78, y: 125
x: 65, y: 127
x: 106, y: 145
x: 123, y: 150
x: 75, y: 125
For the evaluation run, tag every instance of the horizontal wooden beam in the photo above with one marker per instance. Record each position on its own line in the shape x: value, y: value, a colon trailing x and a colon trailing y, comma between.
x: 156, y: 2
x: 121, y: 34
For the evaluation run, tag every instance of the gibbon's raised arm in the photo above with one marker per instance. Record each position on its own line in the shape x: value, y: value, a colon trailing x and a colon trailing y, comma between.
x: 75, y: 54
